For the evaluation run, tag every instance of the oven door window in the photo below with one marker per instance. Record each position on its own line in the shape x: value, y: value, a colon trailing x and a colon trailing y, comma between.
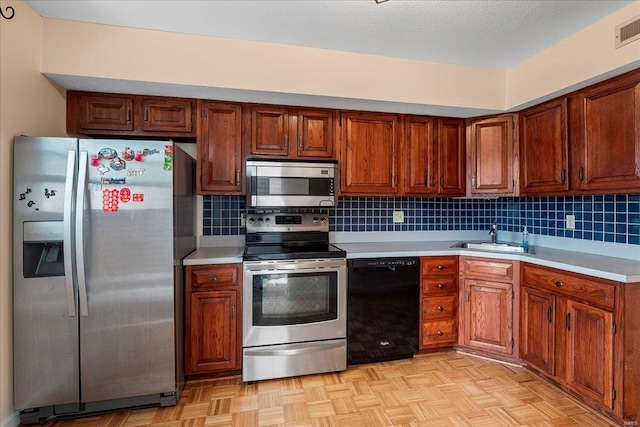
x: 282, y: 186
x: 296, y: 298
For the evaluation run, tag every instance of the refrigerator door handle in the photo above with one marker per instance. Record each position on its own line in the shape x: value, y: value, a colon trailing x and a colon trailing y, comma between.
x: 67, y: 236
x: 80, y: 199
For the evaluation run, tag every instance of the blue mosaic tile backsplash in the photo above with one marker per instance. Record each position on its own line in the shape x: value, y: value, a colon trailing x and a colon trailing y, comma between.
x: 606, y: 218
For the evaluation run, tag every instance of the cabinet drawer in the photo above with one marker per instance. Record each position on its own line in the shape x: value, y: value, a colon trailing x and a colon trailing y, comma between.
x: 487, y: 269
x: 215, y: 277
x: 596, y: 291
x: 439, y: 307
x: 439, y: 265
x: 440, y: 285
x: 439, y: 332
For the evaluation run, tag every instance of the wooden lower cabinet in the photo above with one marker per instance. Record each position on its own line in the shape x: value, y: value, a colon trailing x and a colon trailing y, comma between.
x: 582, y: 333
x: 439, y: 302
x: 213, y: 311
x: 488, y: 315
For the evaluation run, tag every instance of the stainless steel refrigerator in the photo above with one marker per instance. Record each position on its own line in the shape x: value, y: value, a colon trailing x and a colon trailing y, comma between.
x: 100, y: 229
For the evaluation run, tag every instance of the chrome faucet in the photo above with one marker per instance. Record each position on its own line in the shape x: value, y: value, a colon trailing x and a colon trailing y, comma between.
x: 493, y: 232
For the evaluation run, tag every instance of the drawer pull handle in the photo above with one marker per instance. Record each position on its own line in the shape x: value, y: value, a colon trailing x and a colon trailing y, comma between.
x: 440, y: 285
x: 549, y: 311
x: 441, y: 267
x: 440, y: 333
x: 559, y: 284
x: 440, y: 308
x: 214, y: 278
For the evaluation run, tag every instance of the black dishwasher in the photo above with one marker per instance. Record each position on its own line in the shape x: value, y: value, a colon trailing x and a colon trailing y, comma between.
x: 382, y: 309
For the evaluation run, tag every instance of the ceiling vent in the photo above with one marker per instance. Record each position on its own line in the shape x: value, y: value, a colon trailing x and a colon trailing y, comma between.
x: 628, y: 32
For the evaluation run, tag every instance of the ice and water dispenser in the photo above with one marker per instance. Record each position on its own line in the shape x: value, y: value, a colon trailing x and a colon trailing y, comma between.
x: 42, y: 249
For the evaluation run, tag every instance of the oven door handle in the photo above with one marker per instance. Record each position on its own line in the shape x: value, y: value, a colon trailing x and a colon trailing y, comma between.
x: 301, y: 349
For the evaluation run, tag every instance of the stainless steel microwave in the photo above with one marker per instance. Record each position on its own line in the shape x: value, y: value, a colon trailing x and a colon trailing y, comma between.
x: 277, y: 184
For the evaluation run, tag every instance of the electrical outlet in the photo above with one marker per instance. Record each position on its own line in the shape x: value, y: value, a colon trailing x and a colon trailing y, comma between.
x: 398, y: 216
x: 571, y: 222
x: 243, y: 220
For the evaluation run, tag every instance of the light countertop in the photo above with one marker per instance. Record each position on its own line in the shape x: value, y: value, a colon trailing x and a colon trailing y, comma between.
x: 618, y: 269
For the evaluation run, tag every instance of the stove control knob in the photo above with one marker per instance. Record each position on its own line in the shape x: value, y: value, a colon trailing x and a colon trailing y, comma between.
x: 260, y: 221
x: 251, y: 220
x: 267, y: 220
x: 315, y: 220
x: 323, y: 220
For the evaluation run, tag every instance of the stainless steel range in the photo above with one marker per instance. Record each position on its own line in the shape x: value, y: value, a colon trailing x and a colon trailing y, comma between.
x: 295, y: 292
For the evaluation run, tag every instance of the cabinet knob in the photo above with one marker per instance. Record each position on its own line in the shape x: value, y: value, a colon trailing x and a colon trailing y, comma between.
x: 440, y: 285
x: 440, y: 333
x: 214, y: 278
x: 559, y: 284
x: 441, y: 267
x: 440, y: 308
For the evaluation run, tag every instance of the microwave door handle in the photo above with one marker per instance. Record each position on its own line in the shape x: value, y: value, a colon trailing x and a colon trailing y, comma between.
x: 80, y: 201
x: 67, y: 236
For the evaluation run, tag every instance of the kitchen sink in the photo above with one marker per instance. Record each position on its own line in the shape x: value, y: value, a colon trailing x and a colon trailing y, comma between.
x: 489, y: 246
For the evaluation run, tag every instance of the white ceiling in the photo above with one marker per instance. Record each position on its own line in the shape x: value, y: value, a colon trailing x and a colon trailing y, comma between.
x: 485, y: 33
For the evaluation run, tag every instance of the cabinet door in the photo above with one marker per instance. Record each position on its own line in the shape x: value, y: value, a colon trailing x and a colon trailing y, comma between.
x: 544, y: 148
x: 606, y: 136
x: 213, y: 332
x: 491, y: 151
x: 269, y: 130
x: 451, y: 157
x: 489, y: 316
x: 219, y: 161
x: 537, y: 336
x: 590, y: 351
x: 105, y: 112
x: 316, y: 133
x: 166, y: 115
x: 420, y: 156
x: 369, y: 154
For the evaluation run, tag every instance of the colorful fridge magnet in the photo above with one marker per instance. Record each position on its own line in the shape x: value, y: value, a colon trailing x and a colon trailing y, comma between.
x: 125, y: 195
x: 103, y: 169
x: 95, y: 160
x: 138, y: 197
x: 168, y: 157
x: 107, y: 153
x: 110, y: 200
x: 127, y: 154
x: 135, y: 172
x: 117, y: 164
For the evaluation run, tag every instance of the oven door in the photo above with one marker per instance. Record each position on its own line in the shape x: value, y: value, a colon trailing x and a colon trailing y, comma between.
x: 293, y: 301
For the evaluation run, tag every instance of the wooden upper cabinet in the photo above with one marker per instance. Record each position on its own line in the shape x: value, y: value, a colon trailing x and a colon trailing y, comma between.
x: 166, y: 115
x: 544, y: 149
x: 316, y: 133
x: 369, y: 154
x: 451, y: 157
x: 93, y: 113
x: 105, y: 112
x: 292, y: 133
x: 420, y: 156
x: 219, y: 163
x: 605, y: 123
x: 269, y: 130
x: 491, y: 155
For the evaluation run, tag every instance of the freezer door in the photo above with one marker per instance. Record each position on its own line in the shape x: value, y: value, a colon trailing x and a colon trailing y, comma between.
x: 46, y: 362
x: 125, y: 258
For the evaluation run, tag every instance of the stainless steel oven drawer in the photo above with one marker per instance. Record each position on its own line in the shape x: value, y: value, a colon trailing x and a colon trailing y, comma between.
x: 289, y: 360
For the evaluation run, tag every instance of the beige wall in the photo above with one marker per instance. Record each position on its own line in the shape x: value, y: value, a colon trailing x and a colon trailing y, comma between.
x: 83, y: 49
x: 29, y: 104
x: 93, y: 50
x: 581, y: 57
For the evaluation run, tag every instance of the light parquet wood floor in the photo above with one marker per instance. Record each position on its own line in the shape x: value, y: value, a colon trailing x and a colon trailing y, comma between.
x: 440, y: 389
